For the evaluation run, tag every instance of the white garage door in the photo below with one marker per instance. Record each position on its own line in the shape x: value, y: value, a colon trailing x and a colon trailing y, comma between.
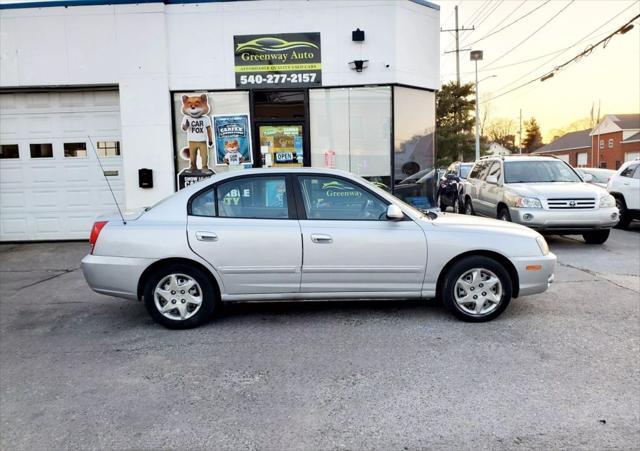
x: 51, y: 186
x: 564, y: 157
x: 630, y: 156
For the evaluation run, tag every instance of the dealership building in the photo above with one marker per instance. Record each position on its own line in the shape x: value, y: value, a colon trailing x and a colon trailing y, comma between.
x: 139, y: 98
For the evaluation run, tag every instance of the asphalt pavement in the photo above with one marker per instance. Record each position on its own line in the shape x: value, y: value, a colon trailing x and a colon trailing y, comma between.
x: 556, y: 370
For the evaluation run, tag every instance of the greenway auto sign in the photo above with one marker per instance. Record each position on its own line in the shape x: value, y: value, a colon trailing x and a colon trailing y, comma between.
x: 277, y: 60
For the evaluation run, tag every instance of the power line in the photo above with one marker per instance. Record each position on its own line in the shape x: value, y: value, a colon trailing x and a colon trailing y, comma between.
x: 623, y: 29
x: 512, y: 23
x: 471, y: 19
x: 530, y: 36
x: 504, y: 19
x: 560, y: 51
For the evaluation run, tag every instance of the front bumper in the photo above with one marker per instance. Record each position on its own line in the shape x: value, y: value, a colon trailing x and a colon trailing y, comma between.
x: 114, y: 276
x: 568, y: 220
x: 535, y: 274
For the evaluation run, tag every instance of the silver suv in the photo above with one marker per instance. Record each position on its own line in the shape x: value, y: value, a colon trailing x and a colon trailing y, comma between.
x: 543, y: 193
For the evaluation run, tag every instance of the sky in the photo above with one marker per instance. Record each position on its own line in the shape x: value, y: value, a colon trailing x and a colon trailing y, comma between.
x: 609, y: 76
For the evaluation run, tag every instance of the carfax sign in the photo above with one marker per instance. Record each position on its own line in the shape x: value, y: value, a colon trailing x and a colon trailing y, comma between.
x: 278, y: 60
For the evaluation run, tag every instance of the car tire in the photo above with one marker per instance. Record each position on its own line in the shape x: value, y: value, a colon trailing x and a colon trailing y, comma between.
x: 625, y: 219
x: 187, y: 313
x: 454, y: 291
x: 468, y: 207
x: 504, y: 214
x: 597, y: 236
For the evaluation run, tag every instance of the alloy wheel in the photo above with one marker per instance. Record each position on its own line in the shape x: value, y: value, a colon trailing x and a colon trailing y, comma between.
x: 178, y: 296
x: 478, y: 292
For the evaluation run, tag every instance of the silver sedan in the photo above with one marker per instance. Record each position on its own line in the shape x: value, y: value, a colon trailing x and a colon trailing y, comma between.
x: 272, y: 234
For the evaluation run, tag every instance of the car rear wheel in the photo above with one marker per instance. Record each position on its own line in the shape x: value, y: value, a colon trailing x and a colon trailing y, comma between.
x: 468, y: 207
x: 597, y: 236
x: 180, y: 297
x: 476, y: 289
x: 625, y: 219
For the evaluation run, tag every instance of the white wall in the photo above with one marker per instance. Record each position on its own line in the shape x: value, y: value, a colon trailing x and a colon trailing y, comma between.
x: 150, y: 49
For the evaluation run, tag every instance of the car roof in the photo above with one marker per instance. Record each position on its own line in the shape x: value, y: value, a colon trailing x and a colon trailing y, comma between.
x: 519, y: 158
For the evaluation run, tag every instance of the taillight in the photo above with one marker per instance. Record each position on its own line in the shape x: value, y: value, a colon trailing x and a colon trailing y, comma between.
x: 95, y: 232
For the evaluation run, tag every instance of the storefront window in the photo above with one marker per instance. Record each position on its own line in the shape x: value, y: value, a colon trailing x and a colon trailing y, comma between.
x: 414, y: 152
x: 351, y: 130
x: 190, y: 147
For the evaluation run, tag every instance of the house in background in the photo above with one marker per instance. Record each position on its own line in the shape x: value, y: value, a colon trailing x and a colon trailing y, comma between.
x: 616, y: 139
x: 574, y: 148
x: 613, y: 141
x: 497, y: 149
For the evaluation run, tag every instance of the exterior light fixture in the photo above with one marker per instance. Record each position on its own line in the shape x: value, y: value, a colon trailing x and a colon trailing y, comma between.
x: 357, y: 35
x: 359, y: 65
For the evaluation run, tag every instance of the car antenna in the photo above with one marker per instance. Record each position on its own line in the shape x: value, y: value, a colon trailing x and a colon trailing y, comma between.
x: 105, y: 177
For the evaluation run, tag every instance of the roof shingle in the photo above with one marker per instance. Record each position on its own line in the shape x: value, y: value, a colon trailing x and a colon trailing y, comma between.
x: 572, y: 140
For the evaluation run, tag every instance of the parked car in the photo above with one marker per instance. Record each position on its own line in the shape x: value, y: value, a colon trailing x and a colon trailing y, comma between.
x: 624, y: 185
x: 460, y: 170
x: 543, y: 193
x: 597, y: 176
x: 274, y: 234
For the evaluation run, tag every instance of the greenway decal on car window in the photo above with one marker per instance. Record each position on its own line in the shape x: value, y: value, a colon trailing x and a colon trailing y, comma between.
x: 278, y: 60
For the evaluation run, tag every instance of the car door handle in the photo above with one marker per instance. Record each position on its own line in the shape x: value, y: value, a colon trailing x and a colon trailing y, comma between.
x: 206, y: 236
x: 321, y: 238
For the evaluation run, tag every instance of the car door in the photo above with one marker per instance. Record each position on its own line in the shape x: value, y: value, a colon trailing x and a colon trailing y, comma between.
x: 246, y: 227
x: 480, y: 203
x: 491, y: 192
x: 631, y: 189
x: 349, y: 244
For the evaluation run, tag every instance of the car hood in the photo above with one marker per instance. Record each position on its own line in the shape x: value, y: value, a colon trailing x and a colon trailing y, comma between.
x: 475, y: 223
x: 555, y: 189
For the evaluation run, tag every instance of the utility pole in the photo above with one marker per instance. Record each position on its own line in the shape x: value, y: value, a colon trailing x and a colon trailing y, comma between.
x: 520, y: 134
x: 457, y: 51
x: 476, y: 55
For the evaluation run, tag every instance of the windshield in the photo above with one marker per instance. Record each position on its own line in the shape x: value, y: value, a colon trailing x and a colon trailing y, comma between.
x: 538, y: 172
x: 464, y: 170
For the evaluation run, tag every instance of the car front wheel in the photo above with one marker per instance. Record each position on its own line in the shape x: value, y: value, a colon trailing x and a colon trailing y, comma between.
x: 596, y: 237
x: 179, y: 297
x: 476, y: 289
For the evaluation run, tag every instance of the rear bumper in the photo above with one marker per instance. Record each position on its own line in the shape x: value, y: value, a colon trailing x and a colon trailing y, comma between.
x: 535, y: 274
x: 565, y: 221
x: 114, y: 276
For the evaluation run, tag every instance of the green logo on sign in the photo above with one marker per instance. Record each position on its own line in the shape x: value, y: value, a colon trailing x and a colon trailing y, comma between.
x: 271, y: 44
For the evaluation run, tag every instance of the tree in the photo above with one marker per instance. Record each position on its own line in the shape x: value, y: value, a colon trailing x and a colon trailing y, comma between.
x: 532, y: 136
x: 454, y: 123
x: 502, y: 131
x: 579, y: 124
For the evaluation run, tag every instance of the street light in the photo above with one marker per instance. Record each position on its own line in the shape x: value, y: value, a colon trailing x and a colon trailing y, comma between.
x: 476, y: 55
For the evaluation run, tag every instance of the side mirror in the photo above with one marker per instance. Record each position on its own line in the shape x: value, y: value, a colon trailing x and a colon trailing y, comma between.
x: 492, y: 179
x: 587, y: 178
x: 394, y: 213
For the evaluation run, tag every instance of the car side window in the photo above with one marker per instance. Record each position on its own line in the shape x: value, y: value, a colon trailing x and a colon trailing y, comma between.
x: 495, y: 170
x: 253, y: 197
x: 628, y: 172
x: 203, y: 204
x: 330, y: 198
x: 477, y: 168
x: 484, y: 170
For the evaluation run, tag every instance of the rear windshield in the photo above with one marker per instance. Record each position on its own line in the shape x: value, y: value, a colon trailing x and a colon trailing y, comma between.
x: 538, y: 172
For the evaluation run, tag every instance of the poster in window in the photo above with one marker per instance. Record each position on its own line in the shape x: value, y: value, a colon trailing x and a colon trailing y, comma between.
x: 232, y: 140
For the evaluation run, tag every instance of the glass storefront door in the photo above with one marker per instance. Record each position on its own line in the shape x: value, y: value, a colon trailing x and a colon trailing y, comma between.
x: 281, y: 144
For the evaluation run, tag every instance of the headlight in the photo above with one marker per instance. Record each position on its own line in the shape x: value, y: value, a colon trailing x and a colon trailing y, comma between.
x: 527, y: 202
x: 607, y: 201
x: 542, y: 244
